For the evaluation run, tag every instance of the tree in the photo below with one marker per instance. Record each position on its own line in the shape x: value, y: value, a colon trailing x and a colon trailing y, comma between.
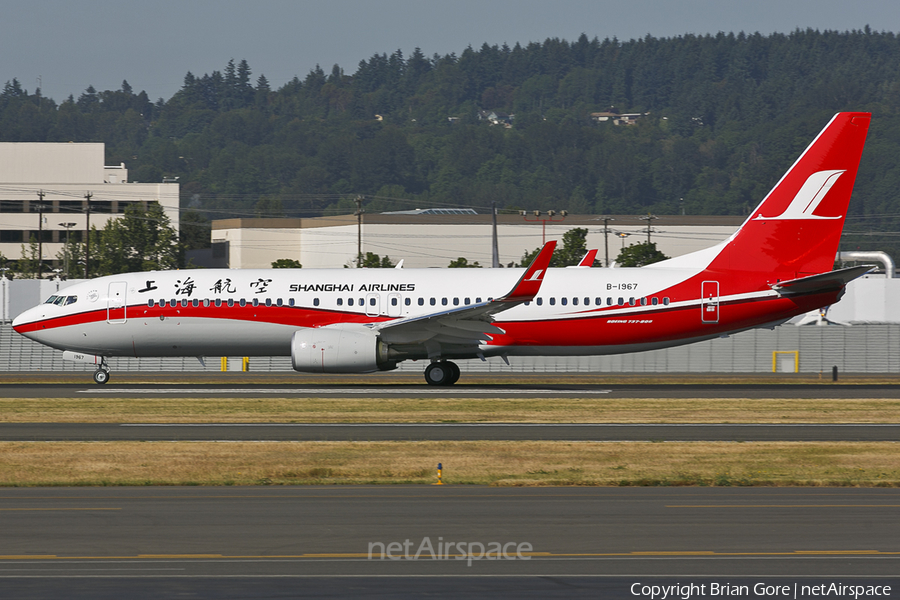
x: 463, y: 263
x: 572, y: 250
x: 639, y: 255
x: 195, y: 228
x: 28, y: 264
x: 373, y: 261
x: 286, y: 263
x: 142, y: 240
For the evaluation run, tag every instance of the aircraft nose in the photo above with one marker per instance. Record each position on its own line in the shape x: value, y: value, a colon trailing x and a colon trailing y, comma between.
x: 24, y: 323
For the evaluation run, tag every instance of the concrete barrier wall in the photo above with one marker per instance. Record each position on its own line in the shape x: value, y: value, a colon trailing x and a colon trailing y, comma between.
x: 867, y: 348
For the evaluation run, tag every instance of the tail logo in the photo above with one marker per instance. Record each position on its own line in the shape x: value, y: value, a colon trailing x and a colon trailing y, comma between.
x: 536, y: 276
x: 809, y: 197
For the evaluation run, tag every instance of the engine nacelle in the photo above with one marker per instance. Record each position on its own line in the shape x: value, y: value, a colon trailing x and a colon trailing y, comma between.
x: 346, y: 348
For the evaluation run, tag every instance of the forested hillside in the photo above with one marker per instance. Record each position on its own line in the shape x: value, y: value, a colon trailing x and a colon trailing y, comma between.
x: 726, y: 114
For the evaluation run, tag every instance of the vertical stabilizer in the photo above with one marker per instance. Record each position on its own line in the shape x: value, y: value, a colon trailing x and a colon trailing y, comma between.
x: 795, y: 230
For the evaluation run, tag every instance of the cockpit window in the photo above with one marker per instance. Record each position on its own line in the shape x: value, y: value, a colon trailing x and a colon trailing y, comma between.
x: 71, y: 300
x: 51, y: 300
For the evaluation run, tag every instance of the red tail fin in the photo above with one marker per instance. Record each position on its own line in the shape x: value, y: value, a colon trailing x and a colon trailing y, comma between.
x: 795, y: 230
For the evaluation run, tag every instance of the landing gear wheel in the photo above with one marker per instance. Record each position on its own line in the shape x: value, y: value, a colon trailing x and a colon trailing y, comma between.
x: 454, y: 375
x: 101, y: 376
x: 441, y: 373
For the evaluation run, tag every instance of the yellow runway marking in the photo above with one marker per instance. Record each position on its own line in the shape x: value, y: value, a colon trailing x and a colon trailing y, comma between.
x: 53, y: 509
x: 352, y: 555
x: 783, y: 506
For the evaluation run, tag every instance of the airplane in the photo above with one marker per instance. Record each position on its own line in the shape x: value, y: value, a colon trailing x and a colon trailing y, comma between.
x: 777, y: 265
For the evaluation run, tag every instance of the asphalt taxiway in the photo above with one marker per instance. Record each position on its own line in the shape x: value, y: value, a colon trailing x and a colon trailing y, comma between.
x: 550, y: 539
x: 506, y: 389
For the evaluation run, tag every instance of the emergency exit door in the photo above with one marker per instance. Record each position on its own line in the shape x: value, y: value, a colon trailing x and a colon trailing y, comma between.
x: 709, y: 304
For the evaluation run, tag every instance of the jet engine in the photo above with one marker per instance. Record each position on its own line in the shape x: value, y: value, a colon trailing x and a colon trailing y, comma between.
x: 345, y: 348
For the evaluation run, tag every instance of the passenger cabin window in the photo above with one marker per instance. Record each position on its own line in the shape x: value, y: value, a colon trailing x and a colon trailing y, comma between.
x: 666, y: 301
x: 654, y: 301
x: 407, y: 301
x: 340, y: 301
x: 552, y: 301
x: 268, y: 302
x: 242, y: 302
x: 184, y: 303
x: 432, y: 301
x: 540, y: 301
x: 230, y: 302
x: 349, y: 301
x: 218, y: 302
x: 315, y: 301
x: 151, y: 302
x: 195, y: 302
x: 421, y: 301
x: 563, y: 301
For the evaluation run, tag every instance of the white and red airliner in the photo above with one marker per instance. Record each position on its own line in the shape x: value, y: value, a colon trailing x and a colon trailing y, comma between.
x: 777, y: 265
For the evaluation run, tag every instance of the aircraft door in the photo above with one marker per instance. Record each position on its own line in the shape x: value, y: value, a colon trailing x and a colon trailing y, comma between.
x: 373, y: 305
x: 395, y: 305
x: 709, y: 304
x: 115, y: 308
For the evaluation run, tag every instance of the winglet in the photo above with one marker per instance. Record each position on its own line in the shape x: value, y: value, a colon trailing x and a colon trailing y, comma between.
x: 530, y: 282
x: 589, y: 258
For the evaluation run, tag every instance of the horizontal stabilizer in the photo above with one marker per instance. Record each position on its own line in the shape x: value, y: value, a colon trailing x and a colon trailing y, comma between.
x: 824, y: 282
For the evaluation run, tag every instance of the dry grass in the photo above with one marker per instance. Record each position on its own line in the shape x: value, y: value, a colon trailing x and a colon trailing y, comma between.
x: 444, y: 410
x: 493, y: 463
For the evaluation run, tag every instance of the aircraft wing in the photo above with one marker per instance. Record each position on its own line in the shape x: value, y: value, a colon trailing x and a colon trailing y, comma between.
x: 823, y: 282
x: 468, y: 325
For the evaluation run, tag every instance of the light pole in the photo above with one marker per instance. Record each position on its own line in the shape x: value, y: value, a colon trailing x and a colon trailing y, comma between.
x: 68, y: 227
x: 623, y: 235
x: 543, y: 220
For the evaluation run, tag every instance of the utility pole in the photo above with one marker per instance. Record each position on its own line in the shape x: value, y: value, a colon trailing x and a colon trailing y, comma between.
x: 606, y: 232
x: 40, y: 269
x: 67, y: 248
x: 649, y: 218
x: 87, y: 233
x: 495, y: 260
x: 359, y: 214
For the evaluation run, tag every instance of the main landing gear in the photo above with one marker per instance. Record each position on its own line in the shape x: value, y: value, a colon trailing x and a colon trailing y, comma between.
x: 101, y: 375
x: 442, y: 373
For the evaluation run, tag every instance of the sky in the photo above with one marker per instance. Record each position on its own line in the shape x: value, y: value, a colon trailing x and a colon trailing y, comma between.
x: 63, y: 46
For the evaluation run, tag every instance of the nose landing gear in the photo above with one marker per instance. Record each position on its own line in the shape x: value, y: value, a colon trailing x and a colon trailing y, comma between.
x: 442, y: 373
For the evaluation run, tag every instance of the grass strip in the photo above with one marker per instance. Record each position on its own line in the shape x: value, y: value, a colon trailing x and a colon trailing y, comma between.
x: 478, y: 462
x: 447, y: 410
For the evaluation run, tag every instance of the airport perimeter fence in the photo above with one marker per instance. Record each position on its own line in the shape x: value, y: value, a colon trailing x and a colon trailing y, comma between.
x: 864, y: 348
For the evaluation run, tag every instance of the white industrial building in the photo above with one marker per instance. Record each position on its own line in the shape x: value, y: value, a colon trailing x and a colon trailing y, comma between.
x: 423, y: 239
x: 44, y: 189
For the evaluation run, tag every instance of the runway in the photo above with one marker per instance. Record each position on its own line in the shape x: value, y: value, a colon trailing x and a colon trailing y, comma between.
x: 506, y: 389
x: 600, y: 432
x: 564, y: 542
